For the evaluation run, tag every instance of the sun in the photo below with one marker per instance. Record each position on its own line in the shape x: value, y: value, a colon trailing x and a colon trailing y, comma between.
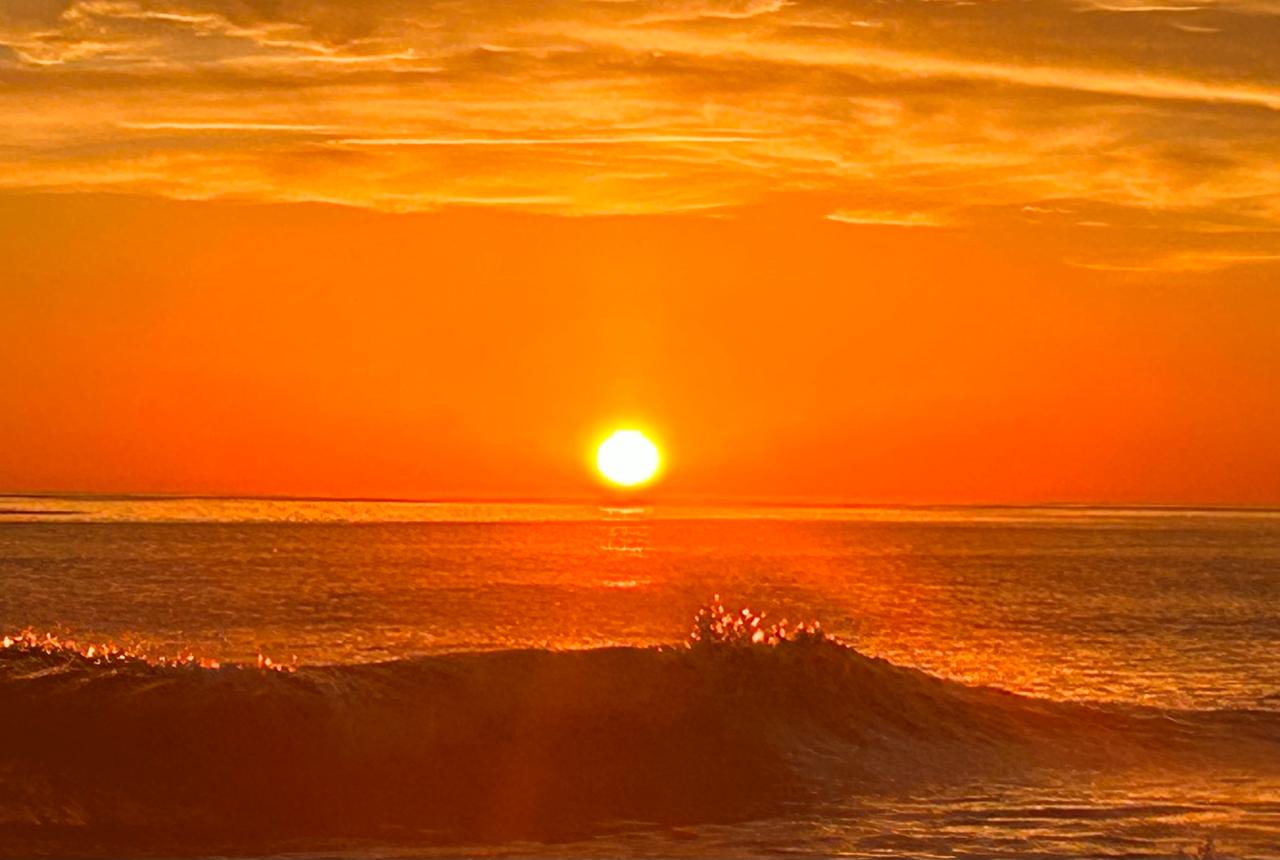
x: 628, y: 458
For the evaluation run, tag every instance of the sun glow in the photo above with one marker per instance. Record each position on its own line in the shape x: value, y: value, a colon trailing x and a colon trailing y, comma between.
x: 628, y: 458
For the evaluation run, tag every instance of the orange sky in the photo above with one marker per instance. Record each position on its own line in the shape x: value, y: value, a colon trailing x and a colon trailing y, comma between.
x: 926, y: 252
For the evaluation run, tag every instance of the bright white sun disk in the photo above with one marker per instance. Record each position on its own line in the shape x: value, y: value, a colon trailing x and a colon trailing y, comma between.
x: 627, y: 458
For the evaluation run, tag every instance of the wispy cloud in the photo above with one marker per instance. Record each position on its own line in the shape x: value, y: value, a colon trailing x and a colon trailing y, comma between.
x: 730, y: 10
x: 1143, y: 7
x: 916, y: 65
x: 227, y: 126
x: 1182, y: 262
x: 887, y: 219
x: 1131, y: 111
x: 593, y: 140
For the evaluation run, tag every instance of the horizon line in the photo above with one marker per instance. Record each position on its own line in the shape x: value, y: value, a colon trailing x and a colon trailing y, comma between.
x: 637, y: 499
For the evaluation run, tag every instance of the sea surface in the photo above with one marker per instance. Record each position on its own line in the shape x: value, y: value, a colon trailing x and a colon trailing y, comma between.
x: 223, y: 677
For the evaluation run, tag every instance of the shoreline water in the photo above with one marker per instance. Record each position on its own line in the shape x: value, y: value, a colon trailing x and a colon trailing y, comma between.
x: 557, y: 747
x: 1024, y: 683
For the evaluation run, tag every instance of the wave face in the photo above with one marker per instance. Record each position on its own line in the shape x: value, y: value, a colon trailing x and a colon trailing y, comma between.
x: 538, y: 744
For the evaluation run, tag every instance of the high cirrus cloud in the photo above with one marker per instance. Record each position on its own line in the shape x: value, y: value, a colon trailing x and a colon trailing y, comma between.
x: 1039, y: 114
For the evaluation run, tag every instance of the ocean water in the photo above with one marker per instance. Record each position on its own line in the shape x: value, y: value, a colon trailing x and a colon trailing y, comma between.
x: 190, y: 677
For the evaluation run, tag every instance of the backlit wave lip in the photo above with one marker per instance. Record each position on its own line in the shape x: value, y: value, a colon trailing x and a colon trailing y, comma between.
x: 114, y: 752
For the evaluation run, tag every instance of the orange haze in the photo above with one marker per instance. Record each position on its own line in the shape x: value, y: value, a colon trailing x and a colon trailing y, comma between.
x: 217, y: 347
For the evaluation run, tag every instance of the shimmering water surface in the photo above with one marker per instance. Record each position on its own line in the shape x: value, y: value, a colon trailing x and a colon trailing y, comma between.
x: 1174, y: 611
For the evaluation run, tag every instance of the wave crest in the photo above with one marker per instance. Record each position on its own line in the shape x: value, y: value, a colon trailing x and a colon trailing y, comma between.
x: 748, y: 718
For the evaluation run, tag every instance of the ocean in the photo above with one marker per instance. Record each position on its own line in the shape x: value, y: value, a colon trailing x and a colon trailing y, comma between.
x: 223, y: 677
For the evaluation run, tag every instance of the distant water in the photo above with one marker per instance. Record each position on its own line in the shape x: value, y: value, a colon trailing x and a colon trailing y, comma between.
x: 517, y: 680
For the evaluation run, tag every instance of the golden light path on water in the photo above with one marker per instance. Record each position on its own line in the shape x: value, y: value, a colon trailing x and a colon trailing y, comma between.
x: 1163, y: 607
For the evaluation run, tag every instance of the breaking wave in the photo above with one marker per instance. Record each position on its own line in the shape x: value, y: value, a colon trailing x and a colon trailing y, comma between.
x: 101, y: 748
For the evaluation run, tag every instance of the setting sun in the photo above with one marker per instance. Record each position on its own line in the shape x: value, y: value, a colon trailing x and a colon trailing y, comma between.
x: 628, y: 458
x: 421, y: 419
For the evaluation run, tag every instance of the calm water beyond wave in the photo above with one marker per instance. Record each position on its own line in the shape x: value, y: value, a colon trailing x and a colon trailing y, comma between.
x: 512, y: 680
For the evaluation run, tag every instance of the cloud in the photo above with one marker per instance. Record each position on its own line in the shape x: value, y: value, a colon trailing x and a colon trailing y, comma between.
x: 1145, y: 7
x: 598, y: 140
x: 1183, y: 262
x: 701, y: 9
x: 915, y: 65
x: 1158, y: 119
x: 887, y: 219
x: 225, y: 126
